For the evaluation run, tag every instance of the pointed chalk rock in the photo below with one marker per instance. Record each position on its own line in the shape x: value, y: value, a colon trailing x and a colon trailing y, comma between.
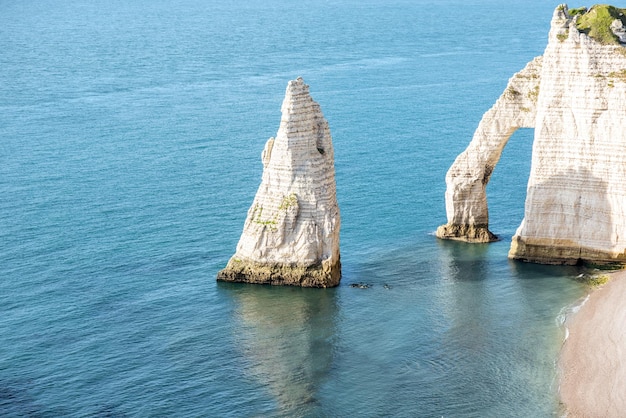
x: 574, y: 97
x: 291, y: 234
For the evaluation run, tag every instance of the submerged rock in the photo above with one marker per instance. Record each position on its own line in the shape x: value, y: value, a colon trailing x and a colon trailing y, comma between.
x: 360, y: 285
x: 575, y: 98
x: 291, y: 234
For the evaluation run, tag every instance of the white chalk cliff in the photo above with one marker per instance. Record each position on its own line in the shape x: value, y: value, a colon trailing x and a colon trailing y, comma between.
x: 574, y: 96
x: 291, y: 234
x: 466, y: 199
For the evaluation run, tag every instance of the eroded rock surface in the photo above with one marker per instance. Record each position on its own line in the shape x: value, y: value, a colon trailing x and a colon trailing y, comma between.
x: 466, y: 198
x: 575, y: 98
x: 291, y: 234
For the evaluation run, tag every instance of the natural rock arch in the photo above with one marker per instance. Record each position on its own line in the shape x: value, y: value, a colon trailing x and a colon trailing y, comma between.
x: 573, y: 96
x: 467, y: 179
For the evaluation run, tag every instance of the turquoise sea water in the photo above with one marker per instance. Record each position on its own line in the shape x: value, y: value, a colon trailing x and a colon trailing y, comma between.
x: 130, y: 142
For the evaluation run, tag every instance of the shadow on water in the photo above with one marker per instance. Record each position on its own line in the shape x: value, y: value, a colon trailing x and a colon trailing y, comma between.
x: 16, y: 399
x: 460, y: 330
x: 540, y: 286
x: 501, y: 317
x: 462, y: 261
x: 533, y: 271
x: 286, y: 336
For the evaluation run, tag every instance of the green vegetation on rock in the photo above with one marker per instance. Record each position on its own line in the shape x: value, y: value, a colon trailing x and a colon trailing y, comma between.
x: 272, y: 223
x: 620, y: 75
x: 596, y: 22
x: 511, y: 93
x: 578, y: 11
x: 534, y: 94
x: 593, y: 280
x: 257, y: 218
x: 288, y: 201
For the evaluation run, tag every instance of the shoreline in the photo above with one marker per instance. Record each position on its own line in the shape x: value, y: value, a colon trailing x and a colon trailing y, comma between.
x: 592, y: 360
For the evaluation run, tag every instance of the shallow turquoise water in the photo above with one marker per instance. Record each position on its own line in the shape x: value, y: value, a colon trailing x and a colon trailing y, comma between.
x: 130, y: 141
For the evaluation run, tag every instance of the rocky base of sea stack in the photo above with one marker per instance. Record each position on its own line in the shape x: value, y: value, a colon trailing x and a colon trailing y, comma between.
x: 467, y: 233
x: 325, y: 274
x: 560, y: 252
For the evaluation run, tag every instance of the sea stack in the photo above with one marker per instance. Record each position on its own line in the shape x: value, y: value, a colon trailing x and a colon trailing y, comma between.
x: 291, y: 234
x: 574, y: 96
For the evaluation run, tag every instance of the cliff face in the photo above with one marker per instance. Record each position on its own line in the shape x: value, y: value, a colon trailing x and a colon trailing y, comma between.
x: 576, y: 198
x: 575, y: 98
x: 291, y: 234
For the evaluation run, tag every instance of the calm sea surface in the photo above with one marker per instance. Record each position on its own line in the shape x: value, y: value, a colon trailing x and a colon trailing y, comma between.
x: 130, y: 142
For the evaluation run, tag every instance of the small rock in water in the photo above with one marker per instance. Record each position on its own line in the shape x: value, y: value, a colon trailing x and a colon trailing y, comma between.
x: 360, y: 285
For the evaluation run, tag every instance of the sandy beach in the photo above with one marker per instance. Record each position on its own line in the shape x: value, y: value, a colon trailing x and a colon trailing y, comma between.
x: 592, y: 362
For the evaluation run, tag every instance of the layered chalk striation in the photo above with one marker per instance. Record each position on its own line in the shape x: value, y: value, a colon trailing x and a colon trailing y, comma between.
x: 466, y: 197
x: 575, y: 98
x: 291, y: 234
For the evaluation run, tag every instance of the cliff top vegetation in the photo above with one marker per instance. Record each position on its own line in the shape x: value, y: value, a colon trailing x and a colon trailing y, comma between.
x: 596, y: 21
